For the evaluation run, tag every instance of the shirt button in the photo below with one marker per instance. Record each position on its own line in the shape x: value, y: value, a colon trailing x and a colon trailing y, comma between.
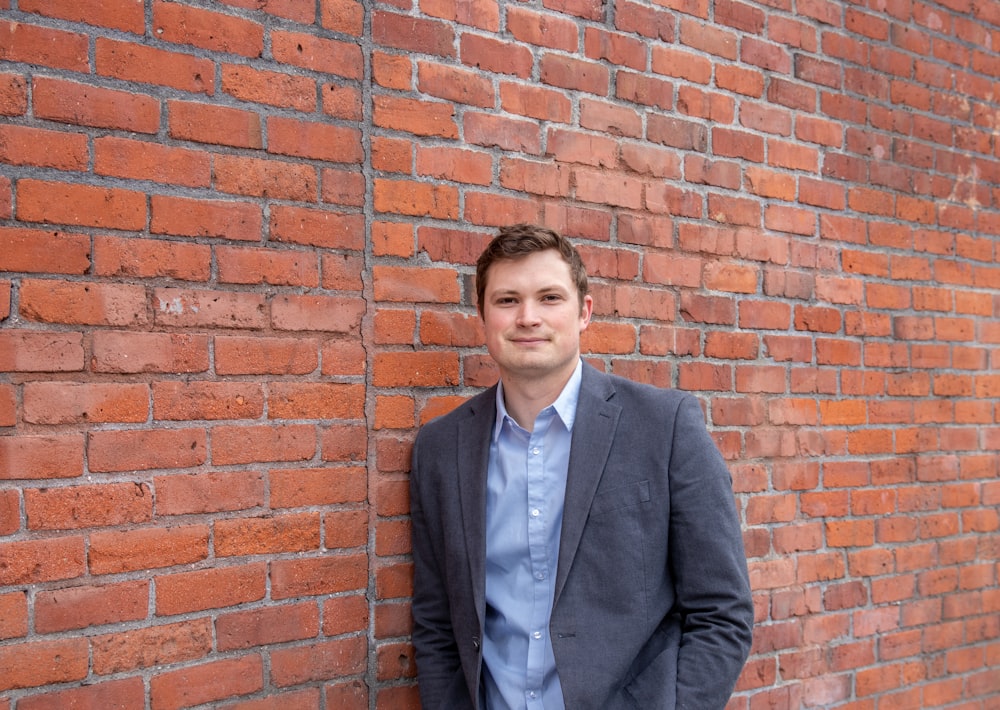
x: 536, y: 451
x: 539, y: 575
x: 537, y: 634
x: 531, y: 694
x: 535, y: 513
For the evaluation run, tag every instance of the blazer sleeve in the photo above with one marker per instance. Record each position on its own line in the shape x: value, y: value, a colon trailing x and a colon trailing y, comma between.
x: 708, y: 565
x: 440, y: 675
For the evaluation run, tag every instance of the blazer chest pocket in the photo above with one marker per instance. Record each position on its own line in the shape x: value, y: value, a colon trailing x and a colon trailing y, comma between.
x: 620, y: 497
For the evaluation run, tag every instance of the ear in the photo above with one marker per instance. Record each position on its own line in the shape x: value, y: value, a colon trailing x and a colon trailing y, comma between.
x: 586, y: 311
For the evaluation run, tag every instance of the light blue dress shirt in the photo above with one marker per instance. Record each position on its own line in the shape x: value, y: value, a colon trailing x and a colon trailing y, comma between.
x: 525, y: 491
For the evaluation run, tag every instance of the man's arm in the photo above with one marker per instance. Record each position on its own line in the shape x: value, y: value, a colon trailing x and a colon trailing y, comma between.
x: 439, y: 669
x: 708, y: 565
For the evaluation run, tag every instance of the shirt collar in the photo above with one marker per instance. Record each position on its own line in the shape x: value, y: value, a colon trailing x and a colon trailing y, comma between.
x: 564, y: 406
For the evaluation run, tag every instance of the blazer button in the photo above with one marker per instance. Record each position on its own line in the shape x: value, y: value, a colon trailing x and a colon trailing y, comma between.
x: 475, y: 642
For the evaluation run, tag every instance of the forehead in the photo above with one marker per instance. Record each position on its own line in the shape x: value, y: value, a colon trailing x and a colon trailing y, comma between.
x: 538, y: 270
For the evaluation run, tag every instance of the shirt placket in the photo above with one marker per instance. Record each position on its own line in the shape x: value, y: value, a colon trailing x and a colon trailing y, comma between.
x: 538, y: 535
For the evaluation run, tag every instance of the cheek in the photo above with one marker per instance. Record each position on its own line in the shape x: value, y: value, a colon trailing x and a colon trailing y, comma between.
x: 493, y: 329
x: 491, y: 324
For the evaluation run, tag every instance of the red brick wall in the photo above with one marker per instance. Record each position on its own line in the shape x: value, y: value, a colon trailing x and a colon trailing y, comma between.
x: 236, y: 240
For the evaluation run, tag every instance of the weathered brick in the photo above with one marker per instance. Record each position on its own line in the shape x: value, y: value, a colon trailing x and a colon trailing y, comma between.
x: 214, y: 31
x: 80, y: 607
x: 268, y: 87
x: 151, y: 258
x: 422, y: 118
x: 127, y: 692
x: 271, y: 535
x: 345, y: 614
x: 145, y: 449
x: 342, y: 186
x: 32, y: 44
x: 220, y: 309
x: 244, y: 265
x: 207, y: 683
x: 318, y: 141
x: 209, y: 589
x: 41, y: 663
x: 41, y: 560
x: 274, y: 179
x: 152, y: 645
x: 184, y: 401
x: 315, y: 401
x: 144, y: 160
x: 318, y: 661
x: 8, y: 406
x: 85, y: 506
x: 113, y: 552
x: 80, y: 205
x: 495, y: 55
x: 37, y: 251
x: 238, y: 355
x: 208, y: 492
x: 535, y: 102
x: 322, y: 228
x: 204, y: 218
x: 317, y: 313
x: 344, y: 442
x: 415, y: 369
x: 132, y: 352
x: 149, y: 65
x: 14, y: 616
x: 22, y: 145
x: 240, y: 445
x: 83, y: 303
x: 295, y: 488
x: 13, y: 95
x: 261, y: 627
x: 41, y: 456
x: 316, y: 576
x: 86, y: 105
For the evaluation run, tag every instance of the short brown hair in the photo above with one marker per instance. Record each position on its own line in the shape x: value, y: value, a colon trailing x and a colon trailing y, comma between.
x: 520, y: 240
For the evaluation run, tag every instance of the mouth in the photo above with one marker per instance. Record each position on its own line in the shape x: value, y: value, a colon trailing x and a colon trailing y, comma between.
x: 529, y: 341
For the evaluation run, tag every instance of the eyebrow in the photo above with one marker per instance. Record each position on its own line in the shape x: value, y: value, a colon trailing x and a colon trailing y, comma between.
x: 552, y: 288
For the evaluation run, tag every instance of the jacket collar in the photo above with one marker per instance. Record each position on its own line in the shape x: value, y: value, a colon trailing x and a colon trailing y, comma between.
x: 593, y: 433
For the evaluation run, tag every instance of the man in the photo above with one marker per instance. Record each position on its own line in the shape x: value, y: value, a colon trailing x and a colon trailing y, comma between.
x: 575, y: 540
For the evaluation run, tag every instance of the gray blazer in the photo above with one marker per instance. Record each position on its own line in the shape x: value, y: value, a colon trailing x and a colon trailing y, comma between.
x: 652, y: 604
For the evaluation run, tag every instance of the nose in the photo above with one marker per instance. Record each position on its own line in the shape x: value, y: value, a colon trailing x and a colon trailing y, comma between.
x: 527, y: 314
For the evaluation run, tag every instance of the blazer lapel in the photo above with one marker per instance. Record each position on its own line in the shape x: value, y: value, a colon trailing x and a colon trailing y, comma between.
x: 473, y: 455
x: 593, y: 432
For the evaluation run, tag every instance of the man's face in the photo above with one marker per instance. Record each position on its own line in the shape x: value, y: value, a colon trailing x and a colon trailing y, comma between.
x: 533, y: 317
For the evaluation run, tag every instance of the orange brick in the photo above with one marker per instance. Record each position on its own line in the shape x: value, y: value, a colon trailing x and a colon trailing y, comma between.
x: 84, y: 303
x: 81, y: 205
x: 84, y: 506
x: 317, y: 576
x: 209, y: 682
x: 40, y: 663
x: 214, y: 31
x: 293, y: 488
x: 86, y: 105
x: 271, y: 535
x: 269, y: 87
x: 80, y: 607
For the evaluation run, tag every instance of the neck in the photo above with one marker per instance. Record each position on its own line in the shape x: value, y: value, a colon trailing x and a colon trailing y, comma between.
x: 525, y: 398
